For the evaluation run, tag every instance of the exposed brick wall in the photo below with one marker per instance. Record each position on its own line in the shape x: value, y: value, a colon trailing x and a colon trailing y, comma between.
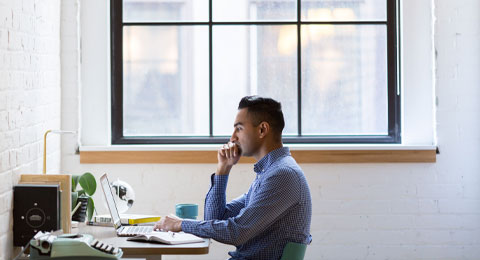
x: 29, y: 97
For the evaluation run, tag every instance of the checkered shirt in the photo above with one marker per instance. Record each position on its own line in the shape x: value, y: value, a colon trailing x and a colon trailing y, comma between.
x: 276, y: 210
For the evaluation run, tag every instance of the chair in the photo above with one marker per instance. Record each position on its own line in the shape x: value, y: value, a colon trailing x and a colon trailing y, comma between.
x: 294, y: 251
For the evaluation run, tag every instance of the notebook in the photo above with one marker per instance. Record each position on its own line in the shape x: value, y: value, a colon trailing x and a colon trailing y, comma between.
x: 122, y: 230
x: 170, y: 238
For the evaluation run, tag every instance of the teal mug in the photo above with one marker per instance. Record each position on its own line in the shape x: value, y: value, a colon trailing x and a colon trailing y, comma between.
x: 184, y: 210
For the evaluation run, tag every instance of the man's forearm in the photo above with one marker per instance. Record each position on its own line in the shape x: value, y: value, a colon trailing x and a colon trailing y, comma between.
x: 215, y: 200
x: 223, y: 170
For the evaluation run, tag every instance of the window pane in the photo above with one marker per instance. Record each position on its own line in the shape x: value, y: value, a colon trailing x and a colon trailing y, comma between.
x: 165, y: 11
x: 341, y: 10
x: 251, y: 60
x: 344, y: 79
x: 247, y: 10
x: 165, y: 84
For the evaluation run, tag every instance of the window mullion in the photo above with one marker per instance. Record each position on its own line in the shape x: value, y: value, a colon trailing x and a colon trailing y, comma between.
x: 299, y: 67
x: 210, y: 68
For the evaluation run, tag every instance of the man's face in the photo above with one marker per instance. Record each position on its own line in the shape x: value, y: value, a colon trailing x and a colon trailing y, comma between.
x: 245, y: 134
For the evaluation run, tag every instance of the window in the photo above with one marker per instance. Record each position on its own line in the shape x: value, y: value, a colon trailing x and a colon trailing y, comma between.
x: 179, y: 68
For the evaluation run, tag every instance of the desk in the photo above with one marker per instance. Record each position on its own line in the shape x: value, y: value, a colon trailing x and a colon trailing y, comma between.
x: 150, y: 251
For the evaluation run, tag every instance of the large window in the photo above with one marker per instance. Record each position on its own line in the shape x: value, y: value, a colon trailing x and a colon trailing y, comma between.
x: 180, y: 67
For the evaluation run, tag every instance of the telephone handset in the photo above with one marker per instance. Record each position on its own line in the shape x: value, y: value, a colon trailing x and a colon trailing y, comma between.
x: 83, y: 246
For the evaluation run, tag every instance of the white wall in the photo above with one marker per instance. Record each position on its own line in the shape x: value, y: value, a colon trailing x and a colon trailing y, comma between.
x: 371, y: 211
x: 29, y: 98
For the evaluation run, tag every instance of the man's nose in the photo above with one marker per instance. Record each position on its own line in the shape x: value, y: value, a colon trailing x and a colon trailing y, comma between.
x: 233, y: 138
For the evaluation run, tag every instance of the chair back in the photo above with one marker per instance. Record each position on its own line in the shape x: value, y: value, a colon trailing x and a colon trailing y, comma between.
x: 294, y: 251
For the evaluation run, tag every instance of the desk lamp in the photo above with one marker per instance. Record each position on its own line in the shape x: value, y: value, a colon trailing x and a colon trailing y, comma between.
x: 64, y: 180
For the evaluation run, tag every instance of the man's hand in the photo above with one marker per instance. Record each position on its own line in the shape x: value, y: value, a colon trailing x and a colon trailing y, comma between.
x: 227, y: 156
x: 169, y: 223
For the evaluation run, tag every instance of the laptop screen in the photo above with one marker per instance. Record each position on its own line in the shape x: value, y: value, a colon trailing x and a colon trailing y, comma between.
x: 110, y: 200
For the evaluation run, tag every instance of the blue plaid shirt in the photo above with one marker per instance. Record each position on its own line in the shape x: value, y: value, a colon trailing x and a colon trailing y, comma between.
x: 276, y: 209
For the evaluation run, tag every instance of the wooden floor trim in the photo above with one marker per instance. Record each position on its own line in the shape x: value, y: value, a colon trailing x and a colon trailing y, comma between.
x: 302, y: 156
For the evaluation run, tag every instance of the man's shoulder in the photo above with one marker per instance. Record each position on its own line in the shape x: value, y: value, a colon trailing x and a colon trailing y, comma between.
x: 286, y: 163
x: 286, y: 167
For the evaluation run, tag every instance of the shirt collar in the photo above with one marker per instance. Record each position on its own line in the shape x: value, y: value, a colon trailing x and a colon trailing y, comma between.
x: 262, y: 165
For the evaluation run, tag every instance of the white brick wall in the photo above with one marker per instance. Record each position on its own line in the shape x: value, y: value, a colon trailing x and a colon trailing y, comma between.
x: 29, y: 97
x: 360, y: 211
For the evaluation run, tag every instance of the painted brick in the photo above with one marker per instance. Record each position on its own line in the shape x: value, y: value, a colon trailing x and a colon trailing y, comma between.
x: 470, y: 252
x: 3, y: 42
x: 388, y: 237
x: 438, y: 191
x: 12, y: 158
x: 337, y: 252
x: 362, y: 192
x: 28, y: 6
x: 5, y: 222
x: 390, y: 222
x: 5, y: 17
x: 29, y: 60
x: 367, y: 237
x: 6, y: 202
x: 428, y: 206
x: 441, y: 222
x: 3, y: 118
x: 4, y: 162
x: 339, y: 222
x: 398, y: 252
x: 463, y: 206
x: 438, y: 252
x: 352, y: 206
x: 466, y: 237
x: 471, y: 191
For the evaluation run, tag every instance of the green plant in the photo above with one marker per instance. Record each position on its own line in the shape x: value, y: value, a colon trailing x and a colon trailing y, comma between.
x: 88, y: 186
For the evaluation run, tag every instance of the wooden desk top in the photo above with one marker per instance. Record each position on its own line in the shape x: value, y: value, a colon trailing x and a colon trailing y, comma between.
x: 132, y: 248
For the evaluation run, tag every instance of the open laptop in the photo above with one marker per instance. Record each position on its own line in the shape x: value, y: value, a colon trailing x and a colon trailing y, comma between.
x: 122, y: 231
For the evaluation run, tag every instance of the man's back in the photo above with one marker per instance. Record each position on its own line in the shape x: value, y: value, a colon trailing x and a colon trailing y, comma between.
x: 282, y: 189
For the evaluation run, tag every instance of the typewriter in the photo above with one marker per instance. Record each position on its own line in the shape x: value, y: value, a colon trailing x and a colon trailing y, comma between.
x: 71, y: 246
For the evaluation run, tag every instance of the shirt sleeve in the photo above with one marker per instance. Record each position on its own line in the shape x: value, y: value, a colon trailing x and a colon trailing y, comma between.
x: 215, y: 201
x: 268, y: 201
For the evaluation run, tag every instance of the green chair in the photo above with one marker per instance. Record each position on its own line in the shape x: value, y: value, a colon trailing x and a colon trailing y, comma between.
x: 294, y: 251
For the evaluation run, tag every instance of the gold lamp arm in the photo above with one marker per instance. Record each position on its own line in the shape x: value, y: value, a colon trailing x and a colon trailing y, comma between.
x: 45, y: 151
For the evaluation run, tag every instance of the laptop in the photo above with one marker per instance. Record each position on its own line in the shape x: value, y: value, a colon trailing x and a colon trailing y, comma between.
x: 122, y: 230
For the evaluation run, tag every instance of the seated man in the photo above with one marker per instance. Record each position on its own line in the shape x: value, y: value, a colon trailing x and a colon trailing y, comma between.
x: 276, y: 209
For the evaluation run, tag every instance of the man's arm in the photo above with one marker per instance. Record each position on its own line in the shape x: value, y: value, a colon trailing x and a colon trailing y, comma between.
x: 215, y: 201
x: 269, y: 202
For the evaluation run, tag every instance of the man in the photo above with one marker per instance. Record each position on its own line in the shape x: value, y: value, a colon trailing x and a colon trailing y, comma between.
x: 276, y: 209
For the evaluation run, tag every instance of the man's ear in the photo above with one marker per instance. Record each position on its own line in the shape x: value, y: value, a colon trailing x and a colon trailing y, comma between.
x: 263, y: 129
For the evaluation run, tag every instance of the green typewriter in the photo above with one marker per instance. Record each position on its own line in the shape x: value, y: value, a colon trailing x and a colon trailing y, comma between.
x: 71, y: 246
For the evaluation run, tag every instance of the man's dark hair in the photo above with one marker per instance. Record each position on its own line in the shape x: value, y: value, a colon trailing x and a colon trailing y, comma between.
x: 262, y: 109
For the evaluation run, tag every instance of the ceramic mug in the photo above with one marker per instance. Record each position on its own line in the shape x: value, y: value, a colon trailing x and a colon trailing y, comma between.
x: 186, y: 210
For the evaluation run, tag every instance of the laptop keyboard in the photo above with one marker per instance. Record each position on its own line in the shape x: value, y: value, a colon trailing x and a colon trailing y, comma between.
x: 135, y: 230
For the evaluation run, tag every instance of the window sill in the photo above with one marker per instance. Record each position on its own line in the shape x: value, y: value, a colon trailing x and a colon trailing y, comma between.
x: 301, y: 153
